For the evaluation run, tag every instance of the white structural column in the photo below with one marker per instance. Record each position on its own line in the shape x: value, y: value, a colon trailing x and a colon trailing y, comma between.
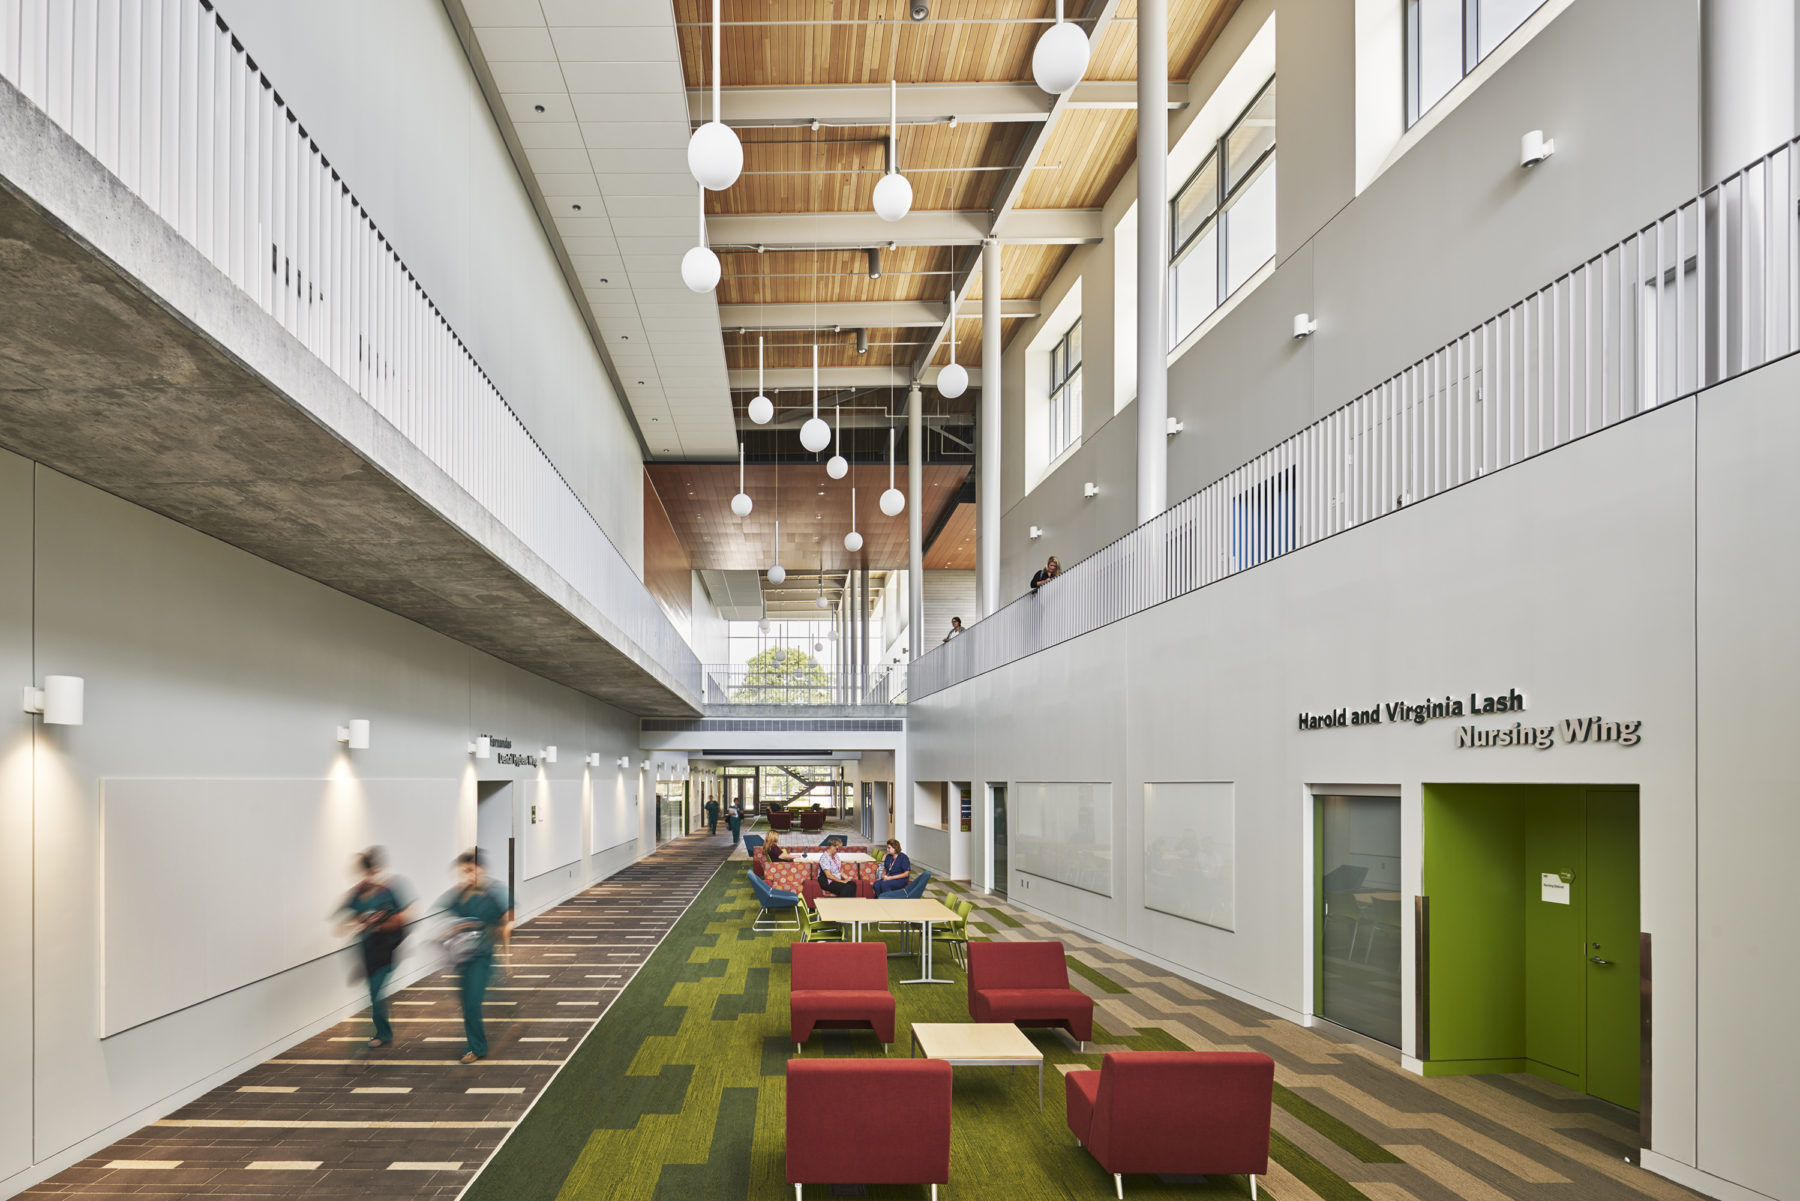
x: 915, y: 522
x: 1153, y: 261
x: 987, y: 500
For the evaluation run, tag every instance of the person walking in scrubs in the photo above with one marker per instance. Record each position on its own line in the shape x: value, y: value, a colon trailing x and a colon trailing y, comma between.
x: 376, y: 910
x: 712, y: 816
x: 480, y: 913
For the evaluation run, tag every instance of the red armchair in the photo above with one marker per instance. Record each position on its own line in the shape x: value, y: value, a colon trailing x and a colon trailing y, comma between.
x: 907, y: 1100
x: 1175, y: 1112
x: 780, y: 820
x: 838, y: 985
x: 1027, y: 984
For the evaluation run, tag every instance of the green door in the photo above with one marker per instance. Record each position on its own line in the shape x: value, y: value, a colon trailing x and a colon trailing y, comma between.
x: 1613, y: 1035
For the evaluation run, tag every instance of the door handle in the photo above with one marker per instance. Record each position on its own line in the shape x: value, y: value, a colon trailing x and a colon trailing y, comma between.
x: 1600, y: 961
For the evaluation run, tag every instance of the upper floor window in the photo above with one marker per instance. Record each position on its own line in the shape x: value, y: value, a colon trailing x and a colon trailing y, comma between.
x: 1065, y: 392
x: 1223, y: 219
x: 1446, y: 38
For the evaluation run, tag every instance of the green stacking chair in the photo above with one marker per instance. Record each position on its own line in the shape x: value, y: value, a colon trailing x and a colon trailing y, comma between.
x: 814, y: 930
x: 956, y: 933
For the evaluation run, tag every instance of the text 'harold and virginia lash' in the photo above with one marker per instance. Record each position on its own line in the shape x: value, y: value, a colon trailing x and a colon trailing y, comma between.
x: 1573, y: 730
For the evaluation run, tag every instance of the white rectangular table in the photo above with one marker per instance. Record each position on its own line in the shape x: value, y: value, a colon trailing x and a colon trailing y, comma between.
x: 860, y: 910
x: 978, y: 1044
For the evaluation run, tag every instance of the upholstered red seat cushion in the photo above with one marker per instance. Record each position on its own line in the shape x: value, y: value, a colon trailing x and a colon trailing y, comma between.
x: 906, y: 1100
x: 1036, y: 1006
x: 839, y: 984
x: 1175, y: 1112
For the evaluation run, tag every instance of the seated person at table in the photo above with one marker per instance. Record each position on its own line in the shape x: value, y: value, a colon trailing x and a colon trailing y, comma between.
x: 834, y: 875
x: 896, y: 870
x: 772, y: 848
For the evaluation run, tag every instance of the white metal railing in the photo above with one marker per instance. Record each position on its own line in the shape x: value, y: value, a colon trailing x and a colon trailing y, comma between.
x: 1702, y: 294
x: 163, y: 95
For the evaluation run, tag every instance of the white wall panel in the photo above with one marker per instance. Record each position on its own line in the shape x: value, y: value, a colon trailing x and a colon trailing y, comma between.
x: 1190, y: 851
x: 1063, y: 831
x: 175, y: 849
x: 615, y: 820
x: 553, y: 834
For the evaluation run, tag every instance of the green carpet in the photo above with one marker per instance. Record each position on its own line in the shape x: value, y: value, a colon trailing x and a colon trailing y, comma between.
x: 678, y: 1094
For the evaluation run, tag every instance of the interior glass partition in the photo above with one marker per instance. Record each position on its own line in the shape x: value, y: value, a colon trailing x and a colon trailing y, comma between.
x: 1357, y: 947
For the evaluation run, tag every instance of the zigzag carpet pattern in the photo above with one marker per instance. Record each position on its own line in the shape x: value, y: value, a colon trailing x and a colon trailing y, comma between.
x: 679, y: 1092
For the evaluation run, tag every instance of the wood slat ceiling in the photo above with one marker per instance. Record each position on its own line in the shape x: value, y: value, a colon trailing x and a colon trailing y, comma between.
x: 954, y: 549
x: 813, y: 509
x: 818, y: 43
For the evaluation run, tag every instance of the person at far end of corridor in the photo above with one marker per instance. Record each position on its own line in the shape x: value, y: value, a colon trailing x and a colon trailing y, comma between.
x: 480, y: 913
x: 896, y: 870
x: 1045, y: 574
x: 734, y: 821
x: 955, y: 628
x: 376, y: 912
x: 712, y: 816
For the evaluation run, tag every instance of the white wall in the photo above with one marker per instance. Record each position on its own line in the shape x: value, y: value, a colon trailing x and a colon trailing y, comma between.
x: 206, y: 664
x: 388, y: 94
x: 1571, y: 577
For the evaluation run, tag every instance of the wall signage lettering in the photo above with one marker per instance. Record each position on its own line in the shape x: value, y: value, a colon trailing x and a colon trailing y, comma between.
x: 1570, y: 731
x: 507, y: 755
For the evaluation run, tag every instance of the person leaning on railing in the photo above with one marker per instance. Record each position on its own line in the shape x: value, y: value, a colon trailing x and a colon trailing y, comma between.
x: 955, y: 628
x: 1049, y: 572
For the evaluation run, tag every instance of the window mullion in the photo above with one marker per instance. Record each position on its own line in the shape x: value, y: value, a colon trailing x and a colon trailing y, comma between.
x: 1471, y: 31
x: 1219, y: 216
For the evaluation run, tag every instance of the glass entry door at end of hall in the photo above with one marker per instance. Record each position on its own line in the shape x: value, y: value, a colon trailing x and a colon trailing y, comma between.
x: 1356, y: 915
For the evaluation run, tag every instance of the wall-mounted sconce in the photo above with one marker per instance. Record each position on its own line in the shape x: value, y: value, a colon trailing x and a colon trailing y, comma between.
x: 1534, y: 148
x: 1090, y: 490
x: 1304, y: 325
x: 593, y: 759
x: 1175, y: 426
x: 549, y: 755
x: 1036, y: 533
x: 62, y: 700
x: 624, y: 762
x: 482, y: 747
x: 643, y: 765
x: 356, y: 734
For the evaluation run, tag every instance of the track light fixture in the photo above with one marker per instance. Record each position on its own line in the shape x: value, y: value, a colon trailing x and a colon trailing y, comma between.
x: 862, y: 341
x: 874, y: 253
x: 920, y: 10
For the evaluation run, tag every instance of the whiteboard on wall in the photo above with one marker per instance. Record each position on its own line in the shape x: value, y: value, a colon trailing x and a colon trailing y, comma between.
x: 615, y: 812
x: 552, y: 824
x: 1190, y: 851
x: 1063, y: 831
x: 209, y: 885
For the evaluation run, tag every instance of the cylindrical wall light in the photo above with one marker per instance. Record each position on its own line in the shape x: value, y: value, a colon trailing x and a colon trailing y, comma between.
x: 549, y: 754
x: 356, y: 734
x: 482, y: 747
x: 62, y: 700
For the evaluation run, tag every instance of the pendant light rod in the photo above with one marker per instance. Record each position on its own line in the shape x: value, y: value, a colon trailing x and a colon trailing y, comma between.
x: 718, y: 115
x: 740, y: 466
x: 759, y: 364
x: 953, y: 327
x: 815, y: 379
x: 837, y: 432
x: 890, y: 456
x: 893, y: 126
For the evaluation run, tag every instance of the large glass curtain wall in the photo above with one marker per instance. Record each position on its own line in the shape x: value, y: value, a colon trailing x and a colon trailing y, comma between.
x: 1223, y: 219
x: 1445, y: 39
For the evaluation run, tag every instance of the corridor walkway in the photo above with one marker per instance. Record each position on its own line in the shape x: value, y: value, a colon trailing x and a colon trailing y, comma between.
x: 330, y: 1119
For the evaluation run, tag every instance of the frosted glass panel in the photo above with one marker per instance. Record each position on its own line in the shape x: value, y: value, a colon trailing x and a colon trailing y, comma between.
x: 1063, y: 832
x: 1190, y: 851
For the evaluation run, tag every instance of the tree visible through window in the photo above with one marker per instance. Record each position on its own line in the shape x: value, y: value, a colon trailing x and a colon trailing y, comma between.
x: 783, y: 676
x: 1223, y: 219
x: 1065, y: 392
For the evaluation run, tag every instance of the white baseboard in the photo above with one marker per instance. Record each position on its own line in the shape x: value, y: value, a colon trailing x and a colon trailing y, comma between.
x: 1704, y: 1182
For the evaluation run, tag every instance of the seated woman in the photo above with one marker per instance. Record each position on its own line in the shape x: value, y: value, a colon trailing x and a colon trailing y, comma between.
x: 834, y: 876
x: 896, y: 870
x: 772, y: 848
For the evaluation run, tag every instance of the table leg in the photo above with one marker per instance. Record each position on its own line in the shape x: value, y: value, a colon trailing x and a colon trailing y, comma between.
x: 925, y: 976
x: 1040, y: 1085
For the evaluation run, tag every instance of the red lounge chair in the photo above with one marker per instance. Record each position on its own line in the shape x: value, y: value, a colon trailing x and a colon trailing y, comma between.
x: 1175, y: 1113
x: 838, y: 986
x: 781, y: 822
x: 812, y: 819
x: 906, y: 1100
x: 1027, y: 984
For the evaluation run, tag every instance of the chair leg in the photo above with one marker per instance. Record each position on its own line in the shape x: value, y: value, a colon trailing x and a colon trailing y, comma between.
x: 796, y: 1048
x: 1253, y: 1188
x: 796, y: 1193
x: 1119, y: 1184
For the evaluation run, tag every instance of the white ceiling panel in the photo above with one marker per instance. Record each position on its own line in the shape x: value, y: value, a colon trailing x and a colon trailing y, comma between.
x: 619, y: 43
x: 595, y: 94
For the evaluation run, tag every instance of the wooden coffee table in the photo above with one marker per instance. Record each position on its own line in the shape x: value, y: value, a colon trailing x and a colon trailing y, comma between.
x: 978, y: 1044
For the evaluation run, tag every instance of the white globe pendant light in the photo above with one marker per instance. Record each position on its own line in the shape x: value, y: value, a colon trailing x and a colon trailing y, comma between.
x: 853, y: 540
x: 741, y: 504
x: 714, y: 154
x: 700, y: 266
x: 1061, y: 56
x: 777, y: 573
x: 761, y: 407
x: 838, y: 467
x: 893, y: 195
x: 953, y: 380
x: 893, y: 501
x: 815, y: 435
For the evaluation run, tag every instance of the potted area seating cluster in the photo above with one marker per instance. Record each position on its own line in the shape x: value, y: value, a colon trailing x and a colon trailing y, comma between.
x: 1150, y: 1112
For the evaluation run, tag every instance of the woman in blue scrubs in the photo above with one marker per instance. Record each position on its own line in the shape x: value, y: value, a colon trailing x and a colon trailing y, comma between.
x: 480, y: 913
x: 376, y: 909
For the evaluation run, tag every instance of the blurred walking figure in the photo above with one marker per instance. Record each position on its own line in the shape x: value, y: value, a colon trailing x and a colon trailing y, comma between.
x: 712, y: 815
x: 376, y: 910
x: 480, y: 912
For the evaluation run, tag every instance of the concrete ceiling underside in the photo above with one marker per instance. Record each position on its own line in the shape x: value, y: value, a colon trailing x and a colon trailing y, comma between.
x: 102, y: 383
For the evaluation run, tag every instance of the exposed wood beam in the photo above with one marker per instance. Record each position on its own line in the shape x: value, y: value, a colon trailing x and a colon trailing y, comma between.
x: 858, y: 314
x: 920, y: 103
x: 937, y: 227
x: 1097, y: 16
